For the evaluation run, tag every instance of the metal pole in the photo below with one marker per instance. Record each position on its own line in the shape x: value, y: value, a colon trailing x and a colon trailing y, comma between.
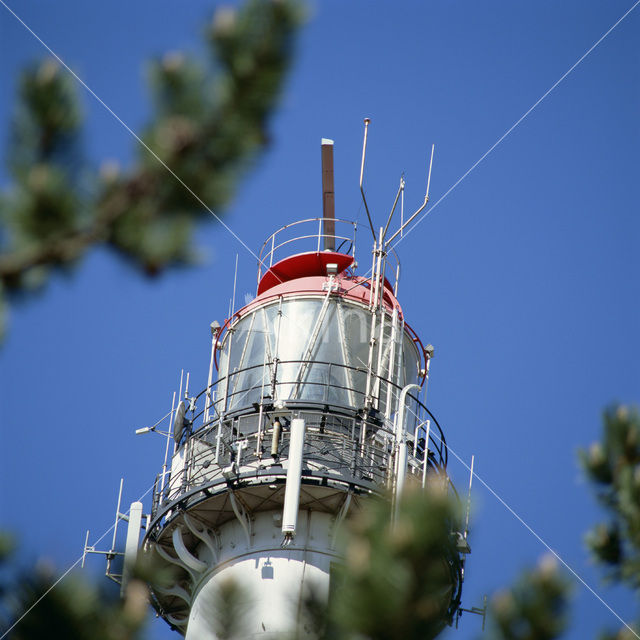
x: 401, y: 448
x: 424, y: 204
x: 392, y: 362
x: 466, y: 524
x: 364, y: 151
x: 294, y: 478
x: 166, y: 451
x: 115, y: 524
x: 207, y: 401
x: 425, y: 462
x: 181, y: 378
x: 235, y: 278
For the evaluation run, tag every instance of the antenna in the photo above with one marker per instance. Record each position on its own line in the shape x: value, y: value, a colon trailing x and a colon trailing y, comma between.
x: 479, y: 611
x: 112, y: 553
x: 393, y: 208
x: 364, y: 151
x: 134, y: 520
x: 154, y: 427
x: 466, y: 524
x: 166, y: 450
x: 402, y: 210
x: 425, y: 462
x: 328, y: 195
x: 115, y: 524
x: 424, y: 204
x: 235, y: 279
x: 215, y: 332
x: 178, y: 421
x: 433, y: 147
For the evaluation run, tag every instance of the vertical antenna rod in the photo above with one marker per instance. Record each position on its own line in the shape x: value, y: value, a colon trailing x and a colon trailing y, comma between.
x: 364, y: 200
x: 328, y: 196
x: 424, y: 204
x: 166, y: 451
x: 115, y: 525
x: 433, y: 147
x: 235, y: 279
x: 466, y: 524
x: 393, y: 208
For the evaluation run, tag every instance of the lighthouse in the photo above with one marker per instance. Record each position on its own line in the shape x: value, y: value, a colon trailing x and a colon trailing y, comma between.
x: 314, y: 403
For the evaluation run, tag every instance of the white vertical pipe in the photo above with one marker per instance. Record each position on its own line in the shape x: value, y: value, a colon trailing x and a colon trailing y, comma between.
x: 425, y: 462
x: 401, y: 213
x: 373, y: 307
x: 294, y: 478
x: 392, y: 362
x: 115, y: 524
x: 207, y: 397
x: 373, y: 271
x: 401, y: 448
x: 276, y: 354
x: 131, y: 545
x: 377, y: 385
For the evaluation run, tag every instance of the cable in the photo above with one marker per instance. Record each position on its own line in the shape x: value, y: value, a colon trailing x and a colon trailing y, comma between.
x: 55, y: 584
x: 66, y: 573
x: 543, y: 542
x: 530, y: 529
x: 504, y: 135
x: 149, y: 149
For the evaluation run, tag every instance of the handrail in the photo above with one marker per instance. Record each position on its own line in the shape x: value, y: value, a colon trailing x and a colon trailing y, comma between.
x: 269, y: 247
x: 439, y: 445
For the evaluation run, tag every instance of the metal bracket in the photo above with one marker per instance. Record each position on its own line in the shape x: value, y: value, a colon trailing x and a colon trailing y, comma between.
x: 111, y: 554
x: 242, y: 515
x: 195, y: 575
x: 479, y: 611
x: 210, y: 538
x: 344, y: 509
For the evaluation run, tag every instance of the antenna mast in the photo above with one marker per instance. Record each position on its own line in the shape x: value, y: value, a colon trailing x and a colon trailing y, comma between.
x: 424, y: 204
x: 364, y: 152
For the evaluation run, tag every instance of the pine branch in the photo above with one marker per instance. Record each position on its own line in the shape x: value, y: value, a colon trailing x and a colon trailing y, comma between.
x: 208, y: 127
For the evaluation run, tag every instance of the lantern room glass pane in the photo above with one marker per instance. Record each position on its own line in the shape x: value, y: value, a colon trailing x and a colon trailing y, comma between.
x: 322, y: 350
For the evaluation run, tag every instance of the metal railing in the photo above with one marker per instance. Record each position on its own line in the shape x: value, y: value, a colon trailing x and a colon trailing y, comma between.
x: 342, y: 441
x: 309, y: 235
x: 229, y: 400
x: 306, y: 235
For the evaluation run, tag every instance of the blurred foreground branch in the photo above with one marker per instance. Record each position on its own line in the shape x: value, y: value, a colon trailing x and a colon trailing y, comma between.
x: 208, y: 123
x: 613, y: 466
x: 397, y: 583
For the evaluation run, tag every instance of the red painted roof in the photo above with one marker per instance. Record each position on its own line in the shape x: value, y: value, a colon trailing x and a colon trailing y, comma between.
x: 312, y: 263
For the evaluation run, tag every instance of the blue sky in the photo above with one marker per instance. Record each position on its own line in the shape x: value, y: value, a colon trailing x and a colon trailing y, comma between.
x: 525, y: 277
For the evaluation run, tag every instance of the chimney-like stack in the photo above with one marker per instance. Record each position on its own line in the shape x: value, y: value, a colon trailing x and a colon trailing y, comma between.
x: 328, y: 197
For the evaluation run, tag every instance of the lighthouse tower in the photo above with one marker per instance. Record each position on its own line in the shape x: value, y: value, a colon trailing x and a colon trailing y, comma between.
x: 314, y: 403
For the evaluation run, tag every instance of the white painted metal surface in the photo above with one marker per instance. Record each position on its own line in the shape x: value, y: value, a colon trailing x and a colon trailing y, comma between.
x: 131, y: 544
x: 294, y: 477
x: 273, y: 579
